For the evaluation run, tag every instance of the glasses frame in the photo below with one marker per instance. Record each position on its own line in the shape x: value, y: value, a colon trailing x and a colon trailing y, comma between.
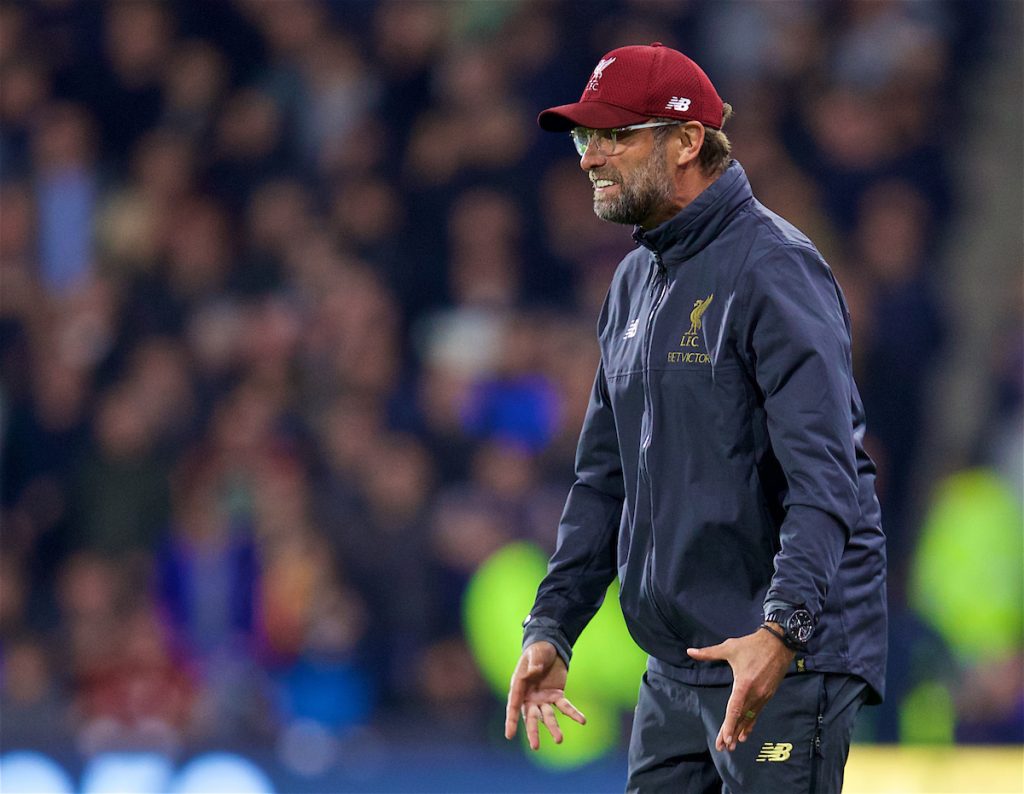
x: 610, y: 135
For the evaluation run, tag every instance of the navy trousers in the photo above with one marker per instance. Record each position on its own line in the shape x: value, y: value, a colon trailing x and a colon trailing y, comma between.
x: 799, y: 744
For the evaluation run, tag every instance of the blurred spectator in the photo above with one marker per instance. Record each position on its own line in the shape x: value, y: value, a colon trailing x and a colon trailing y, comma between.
x: 26, y: 85
x: 279, y: 212
x: 135, y: 225
x: 122, y: 81
x: 375, y: 512
x: 121, y: 499
x: 515, y: 402
x: 884, y: 42
x: 135, y: 697
x: 14, y: 592
x: 484, y: 268
x: 339, y: 92
x: 128, y: 693
x: 903, y: 332
x: 195, y: 81
x: 66, y: 195
x: 35, y: 712
x: 208, y: 568
x: 249, y: 147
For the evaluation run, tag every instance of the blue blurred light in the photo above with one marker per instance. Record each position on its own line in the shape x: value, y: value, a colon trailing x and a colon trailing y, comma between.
x: 221, y: 772
x: 33, y: 773
x: 127, y: 773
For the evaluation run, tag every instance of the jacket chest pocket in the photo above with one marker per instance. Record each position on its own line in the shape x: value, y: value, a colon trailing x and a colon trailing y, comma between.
x: 710, y: 406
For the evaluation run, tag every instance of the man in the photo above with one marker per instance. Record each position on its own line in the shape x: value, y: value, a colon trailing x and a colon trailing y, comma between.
x: 721, y: 471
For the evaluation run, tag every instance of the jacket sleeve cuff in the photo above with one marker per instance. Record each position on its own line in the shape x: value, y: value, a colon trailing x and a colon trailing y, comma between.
x: 547, y: 630
x: 777, y: 604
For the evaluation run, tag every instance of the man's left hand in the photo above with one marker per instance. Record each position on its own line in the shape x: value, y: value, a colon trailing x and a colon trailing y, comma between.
x: 759, y: 662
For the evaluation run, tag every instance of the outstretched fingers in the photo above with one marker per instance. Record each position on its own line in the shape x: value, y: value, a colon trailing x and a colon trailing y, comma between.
x: 533, y: 714
x: 570, y: 711
x: 530, y: 714
x: 551, y: 722
x: 516, y: 694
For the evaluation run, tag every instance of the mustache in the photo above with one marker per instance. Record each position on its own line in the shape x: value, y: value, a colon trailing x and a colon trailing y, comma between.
x: 605, y: 173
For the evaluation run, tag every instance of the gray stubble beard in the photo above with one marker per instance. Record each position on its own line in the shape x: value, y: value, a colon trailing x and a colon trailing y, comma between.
x: 649, y: 189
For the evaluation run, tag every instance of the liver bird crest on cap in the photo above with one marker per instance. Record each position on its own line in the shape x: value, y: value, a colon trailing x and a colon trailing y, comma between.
x: 603, y: 64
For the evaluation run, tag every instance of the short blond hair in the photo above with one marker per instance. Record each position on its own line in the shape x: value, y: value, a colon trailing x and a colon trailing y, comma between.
x: 716, y: 153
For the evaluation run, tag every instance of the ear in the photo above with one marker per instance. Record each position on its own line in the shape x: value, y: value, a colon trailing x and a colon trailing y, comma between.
x: 691, y: 138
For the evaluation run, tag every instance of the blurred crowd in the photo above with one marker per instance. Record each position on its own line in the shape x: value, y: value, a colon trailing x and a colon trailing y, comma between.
x: 296, y: 327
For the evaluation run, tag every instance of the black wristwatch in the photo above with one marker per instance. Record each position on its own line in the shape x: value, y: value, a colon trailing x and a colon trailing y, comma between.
x: 797, y: 626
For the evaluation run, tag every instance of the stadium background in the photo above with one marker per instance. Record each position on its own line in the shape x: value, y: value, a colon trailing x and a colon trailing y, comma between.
x: 296, y: 332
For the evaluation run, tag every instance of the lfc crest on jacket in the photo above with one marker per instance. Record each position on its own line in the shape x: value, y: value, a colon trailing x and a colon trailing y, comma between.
x: 690, y: 352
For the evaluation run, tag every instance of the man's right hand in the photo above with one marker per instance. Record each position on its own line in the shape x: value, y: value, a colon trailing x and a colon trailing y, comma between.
x: 536, y: 690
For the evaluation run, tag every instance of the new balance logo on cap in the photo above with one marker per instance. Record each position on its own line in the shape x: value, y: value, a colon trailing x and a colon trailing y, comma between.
x: 678, y: 103
x: 774, y: 751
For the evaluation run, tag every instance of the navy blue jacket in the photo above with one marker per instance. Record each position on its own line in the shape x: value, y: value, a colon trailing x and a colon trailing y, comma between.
x: 721, y: 464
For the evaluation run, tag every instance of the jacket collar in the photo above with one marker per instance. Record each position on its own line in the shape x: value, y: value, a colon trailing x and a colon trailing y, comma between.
x: 700, y: 221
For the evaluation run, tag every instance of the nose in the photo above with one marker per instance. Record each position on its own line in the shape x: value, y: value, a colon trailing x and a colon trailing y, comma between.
x: 592, y: 158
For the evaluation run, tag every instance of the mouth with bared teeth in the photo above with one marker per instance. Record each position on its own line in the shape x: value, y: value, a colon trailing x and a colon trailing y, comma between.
x: 601, y: 184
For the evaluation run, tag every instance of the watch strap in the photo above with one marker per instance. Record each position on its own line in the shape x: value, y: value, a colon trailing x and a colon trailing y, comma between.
x: 789, y: 642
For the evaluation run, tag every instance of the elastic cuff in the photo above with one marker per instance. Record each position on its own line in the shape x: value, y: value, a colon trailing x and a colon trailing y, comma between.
x: 778, y: 604
x: 547, y: 630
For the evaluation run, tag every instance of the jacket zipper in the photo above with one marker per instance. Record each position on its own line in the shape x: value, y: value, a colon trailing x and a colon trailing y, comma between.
x: 660, y: 288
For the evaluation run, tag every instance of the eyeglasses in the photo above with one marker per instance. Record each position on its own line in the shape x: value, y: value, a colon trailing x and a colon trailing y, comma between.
x: 606, y: 141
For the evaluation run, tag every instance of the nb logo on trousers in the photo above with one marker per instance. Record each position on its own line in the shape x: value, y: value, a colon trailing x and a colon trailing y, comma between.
x: 774, y: 751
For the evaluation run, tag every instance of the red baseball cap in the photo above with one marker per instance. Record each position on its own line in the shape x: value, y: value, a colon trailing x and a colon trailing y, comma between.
x: 633, y: 84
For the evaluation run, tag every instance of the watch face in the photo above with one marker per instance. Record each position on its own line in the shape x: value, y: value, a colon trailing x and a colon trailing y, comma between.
x: 800, y: 625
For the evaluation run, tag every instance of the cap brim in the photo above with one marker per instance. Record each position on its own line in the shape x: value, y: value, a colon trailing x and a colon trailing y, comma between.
x: 593, y: 113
